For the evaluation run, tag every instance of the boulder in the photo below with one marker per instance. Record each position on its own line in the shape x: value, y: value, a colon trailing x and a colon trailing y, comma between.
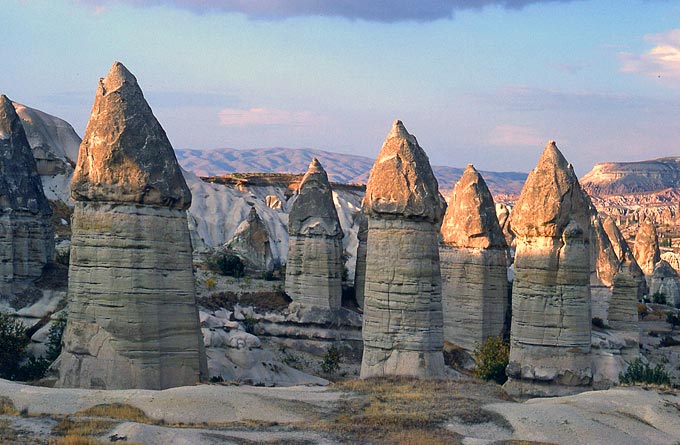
x: 132, y: 314
x: 473, y: 258
x: 314, y: 267
x: 251, y: 243
x: 551, y: 314
x: 665, y: 280
x: 26, y: 233
x: 402, y: 329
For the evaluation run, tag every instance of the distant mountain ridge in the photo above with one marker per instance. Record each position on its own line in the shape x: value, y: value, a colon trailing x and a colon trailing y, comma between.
x: 621, y: 178
x: 344, y: 168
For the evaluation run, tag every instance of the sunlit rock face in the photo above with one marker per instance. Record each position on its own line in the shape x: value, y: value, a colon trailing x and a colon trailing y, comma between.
x: 646, y: 248
x: 360, y: 270
x: 551, y: 313
x: 26, y: 233
x: 623, y: 315
x: 251, y: 243
x: 133, y: 320
x: 314, y: 267
x: 473, y: 257
x: 604, y: 265
x: 402, y: 329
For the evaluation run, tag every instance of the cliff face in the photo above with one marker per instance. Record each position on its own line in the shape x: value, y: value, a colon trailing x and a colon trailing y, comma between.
x: 617, y: 178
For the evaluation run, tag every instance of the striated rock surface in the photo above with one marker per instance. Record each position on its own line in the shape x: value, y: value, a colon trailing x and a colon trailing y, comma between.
x: 551, y: 313
x: 473, y: 258
x: 646, y: 248
x: 402, y: 330
x: 251, y: 243
x: 623, y: 315
x: 618, y: 178
x: 665, y: 280
x: 360, y: 270
x: 133, y: 320
x: 26, y: 234
x: 314, y: 267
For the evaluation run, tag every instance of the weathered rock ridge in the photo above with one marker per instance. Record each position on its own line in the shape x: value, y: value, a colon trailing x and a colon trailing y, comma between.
x: 551, y: 314
x: 133, y: 319
x: 402, y: 329
x: 473, y: 257
x: 251, y: 243
x: 26, y: 234
x: 314, y: 267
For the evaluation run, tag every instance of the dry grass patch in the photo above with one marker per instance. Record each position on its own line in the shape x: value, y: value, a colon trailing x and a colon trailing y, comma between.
x: 70, y: 427
x: 119, y: 411
x: 411, y: 411
x: 7, y: 407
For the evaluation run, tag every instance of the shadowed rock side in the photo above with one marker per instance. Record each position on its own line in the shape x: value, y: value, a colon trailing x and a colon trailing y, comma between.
x: 627, y: 260
x: 604, y: 265
x: 646, y: 247
x: 402, y: 329
x: 314, y: 267
x: 251, y: 243
x: 131, y: 161
x: 26, y: 234
x: 623, y: 315
x: 360, y: 270
x: 133, y: 320
x: 473, y: 258
x: 551, y: 314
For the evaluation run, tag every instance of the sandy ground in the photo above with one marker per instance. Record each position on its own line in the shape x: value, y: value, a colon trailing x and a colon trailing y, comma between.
x: 619, y: 416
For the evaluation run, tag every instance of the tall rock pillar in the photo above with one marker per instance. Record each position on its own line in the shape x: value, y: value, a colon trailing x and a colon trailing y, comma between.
x: 26, y: 233
x: 314, y: 266
x: 473, y: 256
x: 133, y: 319
x: 551, y: 314
x: 402, y: 330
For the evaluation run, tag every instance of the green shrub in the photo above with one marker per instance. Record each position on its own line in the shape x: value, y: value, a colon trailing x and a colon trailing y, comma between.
x: 491, y: 358
x: 659, y: 298
x: 673, y: 319
x: 249, y: 324
x: 54, y: 337
x: 13, y: 342
x: 331, y: 360
x: 226, y: 264
x: 639, y: 373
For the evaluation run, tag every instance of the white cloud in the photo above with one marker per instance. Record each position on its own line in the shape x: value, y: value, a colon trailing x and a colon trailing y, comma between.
x: 514, y: 135
x: 661, y: 61
x: 233, y: 117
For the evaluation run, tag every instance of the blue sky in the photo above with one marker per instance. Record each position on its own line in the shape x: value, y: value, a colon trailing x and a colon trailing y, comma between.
x: 477, y: 81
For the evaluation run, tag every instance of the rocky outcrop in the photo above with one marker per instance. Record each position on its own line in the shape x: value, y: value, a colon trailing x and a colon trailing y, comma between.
x: 473, y: 257
x: 251, y: 243
x: 314, y: 267
x: 627, y: 261
x: 665, y: 280
x: 503, y: 214
x: 360, y: 270
x: 646, y: 248
x: 26, y: 234
x: 604, y: 265
x: 617, y: 178
x: 623, y: 315
x: 402, y: 330
x: 551, y: 314
x: 133, y: 320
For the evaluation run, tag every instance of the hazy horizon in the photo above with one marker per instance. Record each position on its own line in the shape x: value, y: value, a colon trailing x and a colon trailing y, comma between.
x: 476, y: 81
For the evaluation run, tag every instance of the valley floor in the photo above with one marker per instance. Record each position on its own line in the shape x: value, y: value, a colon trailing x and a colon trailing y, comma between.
x: 407, y: 411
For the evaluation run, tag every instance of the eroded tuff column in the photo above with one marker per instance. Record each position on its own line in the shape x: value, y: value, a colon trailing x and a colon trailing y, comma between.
x: 627, y: 260
x: 402, y: 330
x: 623, y: 315
x: 604, y: 265
x: 473, y: 258
x: 551, y: 314
x: 646, y: 248
x: 26, y: 233
x: 314, y: 266
x: 133, y: 320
